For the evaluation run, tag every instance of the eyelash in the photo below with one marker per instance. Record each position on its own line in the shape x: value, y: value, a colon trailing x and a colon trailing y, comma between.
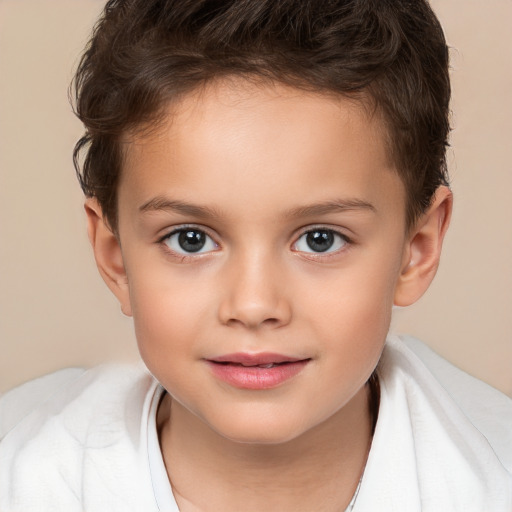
x: 347, y: 242
x: 183, y: 257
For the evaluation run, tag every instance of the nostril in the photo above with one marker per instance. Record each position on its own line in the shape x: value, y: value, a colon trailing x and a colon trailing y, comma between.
x: 254, y: 310
x: 271, y: 321
x: 253, y: 323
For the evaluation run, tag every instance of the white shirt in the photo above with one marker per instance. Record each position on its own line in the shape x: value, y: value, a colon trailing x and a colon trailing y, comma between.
x: 86, y: 440
x: 161, y: 485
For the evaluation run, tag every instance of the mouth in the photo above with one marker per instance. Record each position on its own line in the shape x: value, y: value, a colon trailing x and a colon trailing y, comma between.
x: 262, y: 359
x: 268, y: 365
x: 256, y: 371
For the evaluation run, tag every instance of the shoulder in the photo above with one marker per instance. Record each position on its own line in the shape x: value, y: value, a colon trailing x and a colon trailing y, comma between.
x: 20, y: 401
x: 66, y: 389
x: 71, y: 427
x: 486, y: 408
x: 443, y: 440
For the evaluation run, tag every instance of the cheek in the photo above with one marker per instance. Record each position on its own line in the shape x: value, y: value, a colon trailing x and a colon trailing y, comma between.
x: 167, y: 313
x: 353, y: 314
x: 360, y: 296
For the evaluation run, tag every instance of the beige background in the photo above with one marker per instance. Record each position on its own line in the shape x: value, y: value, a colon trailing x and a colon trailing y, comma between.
x: 55, y: 310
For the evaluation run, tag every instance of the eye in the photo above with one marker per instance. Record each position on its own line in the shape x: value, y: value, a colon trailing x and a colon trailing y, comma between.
x: 189, y: 241
x: 320, y: 241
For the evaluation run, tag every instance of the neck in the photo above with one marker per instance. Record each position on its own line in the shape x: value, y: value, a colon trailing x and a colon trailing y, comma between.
x: 319, y: 470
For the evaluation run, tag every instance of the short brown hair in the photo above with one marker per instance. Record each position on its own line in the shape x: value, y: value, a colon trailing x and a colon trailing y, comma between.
x: 145, y: 53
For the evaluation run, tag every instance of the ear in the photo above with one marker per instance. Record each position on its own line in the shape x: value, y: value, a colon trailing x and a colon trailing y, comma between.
x: 422, y: 250
x: 108, y: 255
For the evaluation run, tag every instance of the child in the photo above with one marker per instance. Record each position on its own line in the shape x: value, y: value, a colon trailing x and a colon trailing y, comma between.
x: 264, y: 180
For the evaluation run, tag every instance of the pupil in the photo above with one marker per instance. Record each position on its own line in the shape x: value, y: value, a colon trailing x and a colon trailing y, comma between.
x: 320, y: 241
x: 191, y: 241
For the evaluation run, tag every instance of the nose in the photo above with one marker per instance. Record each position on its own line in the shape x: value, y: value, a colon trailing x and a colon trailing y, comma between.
x: 254, y: 295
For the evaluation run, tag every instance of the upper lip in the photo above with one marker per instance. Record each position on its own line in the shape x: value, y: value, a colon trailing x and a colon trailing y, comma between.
x: 255, y: 359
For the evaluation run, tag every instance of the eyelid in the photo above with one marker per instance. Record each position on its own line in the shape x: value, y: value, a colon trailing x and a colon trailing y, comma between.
x: 184, y: 227
x: 324, y: 227
x: 335, y: 230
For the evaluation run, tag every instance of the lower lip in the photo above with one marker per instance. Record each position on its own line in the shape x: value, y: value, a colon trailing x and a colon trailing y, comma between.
x: 254, y: 377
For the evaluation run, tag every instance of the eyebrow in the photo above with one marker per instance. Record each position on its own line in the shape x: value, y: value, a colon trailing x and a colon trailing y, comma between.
x: 336, y: 206
x: 160, y: 203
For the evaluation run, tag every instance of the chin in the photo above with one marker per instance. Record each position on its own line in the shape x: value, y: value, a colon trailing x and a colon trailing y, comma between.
x: 260, y: 438
x: 273, y: 431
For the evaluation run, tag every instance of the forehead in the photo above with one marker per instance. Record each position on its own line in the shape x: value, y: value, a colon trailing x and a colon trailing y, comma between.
x: 222, y: 141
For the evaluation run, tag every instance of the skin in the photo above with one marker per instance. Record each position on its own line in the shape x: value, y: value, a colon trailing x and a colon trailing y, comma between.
x: 255, y: 167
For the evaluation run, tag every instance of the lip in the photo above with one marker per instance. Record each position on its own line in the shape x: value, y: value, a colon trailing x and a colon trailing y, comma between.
x: 248, y: 371
x: 248, y: 359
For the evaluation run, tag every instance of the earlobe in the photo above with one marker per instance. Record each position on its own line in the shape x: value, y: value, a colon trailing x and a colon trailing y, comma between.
x: 423, y: 249
x: 107, y: 253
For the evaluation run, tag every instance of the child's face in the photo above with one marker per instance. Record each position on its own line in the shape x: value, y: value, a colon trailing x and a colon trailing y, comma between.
x: 261, y: 220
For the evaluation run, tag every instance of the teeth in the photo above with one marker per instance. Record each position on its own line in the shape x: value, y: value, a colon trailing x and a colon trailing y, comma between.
x: 245, y: 365
x: 269, y: 365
